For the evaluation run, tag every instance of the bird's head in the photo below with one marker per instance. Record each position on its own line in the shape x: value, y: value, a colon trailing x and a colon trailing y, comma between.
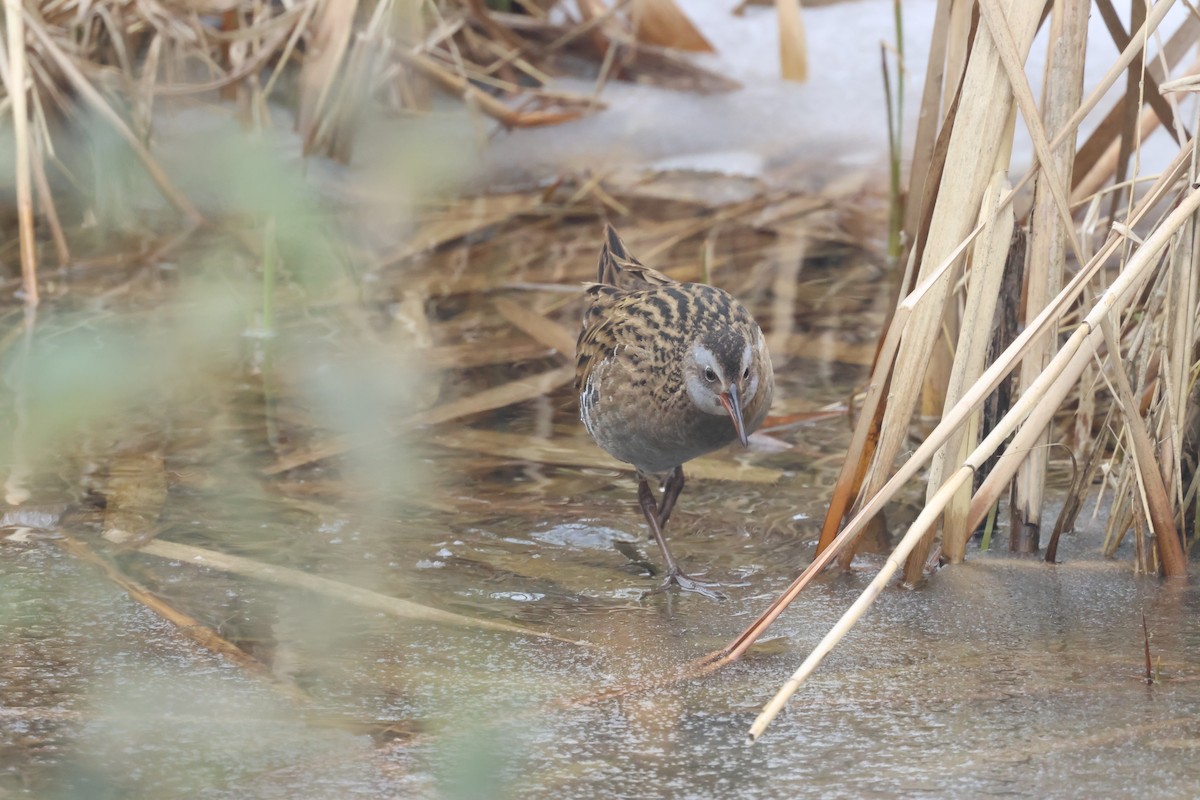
x: 724, y: 372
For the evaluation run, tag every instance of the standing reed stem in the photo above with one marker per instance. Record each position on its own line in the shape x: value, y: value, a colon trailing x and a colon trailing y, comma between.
x: 20, y: 112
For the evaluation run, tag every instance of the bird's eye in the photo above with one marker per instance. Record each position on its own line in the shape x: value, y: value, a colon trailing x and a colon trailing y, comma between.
x: 746, y: 374
x: 709, y: 375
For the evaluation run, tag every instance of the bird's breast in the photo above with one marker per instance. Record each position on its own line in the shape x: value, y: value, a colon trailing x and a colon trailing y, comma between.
x: 628, y: 412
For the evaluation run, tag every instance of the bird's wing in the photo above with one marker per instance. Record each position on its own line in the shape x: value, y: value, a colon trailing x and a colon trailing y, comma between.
x: 598, y: 300
x: 594, y: 344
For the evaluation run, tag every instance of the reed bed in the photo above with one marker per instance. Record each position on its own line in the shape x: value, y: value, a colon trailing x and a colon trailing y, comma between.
x: 1106, y: 361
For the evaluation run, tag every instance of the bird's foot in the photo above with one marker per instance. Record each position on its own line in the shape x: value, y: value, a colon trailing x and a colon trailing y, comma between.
x: 687, y: 583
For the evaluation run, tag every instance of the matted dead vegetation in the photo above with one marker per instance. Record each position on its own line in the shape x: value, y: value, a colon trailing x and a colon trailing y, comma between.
x: 113, y: 64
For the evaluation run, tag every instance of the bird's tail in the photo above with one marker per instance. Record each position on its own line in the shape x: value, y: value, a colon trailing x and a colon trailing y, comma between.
x: 620, y: 269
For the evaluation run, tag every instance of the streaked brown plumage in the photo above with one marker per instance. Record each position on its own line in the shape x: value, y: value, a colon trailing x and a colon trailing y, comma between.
x: 666, y: 372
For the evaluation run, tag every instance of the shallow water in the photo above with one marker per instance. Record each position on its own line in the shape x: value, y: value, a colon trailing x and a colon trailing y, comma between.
x: 998, y: 677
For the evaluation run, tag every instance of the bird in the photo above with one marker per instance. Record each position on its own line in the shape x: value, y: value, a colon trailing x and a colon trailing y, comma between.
x: 665, y: 372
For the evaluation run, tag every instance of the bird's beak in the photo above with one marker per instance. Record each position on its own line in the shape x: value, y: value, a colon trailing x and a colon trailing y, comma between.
x: 733, y: 404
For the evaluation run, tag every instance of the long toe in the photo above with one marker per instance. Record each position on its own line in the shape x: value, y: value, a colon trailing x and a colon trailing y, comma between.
x: 687, y: 583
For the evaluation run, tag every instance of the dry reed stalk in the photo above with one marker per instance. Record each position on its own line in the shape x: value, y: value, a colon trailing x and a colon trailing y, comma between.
x: 865, y: 437
x: 582, y: 453
x: 1050, y: 229
x: 1156, y: 504
x: 143, y: 100
x: 1134, y: 83
x: 485, y: 400
x: 870, y: 505
x: 595, y: 15
x: 15, y: 22
x: 330, y: 37
x: 1181, y: 325
x: 1049, y: 175
x: 868, y: 436
x: 444, y: 226
x: 1096, y: 159
x: 1150, y: 73
x: 961, y: 33
x: 1086, y: 459
x: 289, y: 47
x: 974, y: 144
x: 500, y: 351
x: 335, y: 590
x: 1104, y: 167
x: 1157, y: 14
x: 281, y: 28
x: 924, y: 521
x: 459, y: 85
x: 537, y: 326
x: 513, y: 58
x: 983, y: 291
x: 498, y: 32
x: 928, y: 119
x: 1034, y: 409
x: 793, y: 44
x: 189, y: 626
x: 660, y: 22
x: 1082, y: 341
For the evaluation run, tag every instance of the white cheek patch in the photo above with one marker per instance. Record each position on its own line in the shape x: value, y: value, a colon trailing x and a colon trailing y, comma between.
x: 703, y: 396
x: 702, y: 392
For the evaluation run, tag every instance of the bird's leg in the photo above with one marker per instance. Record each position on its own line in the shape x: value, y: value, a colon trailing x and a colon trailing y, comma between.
x: 650, y: 509
x: 671, y: 489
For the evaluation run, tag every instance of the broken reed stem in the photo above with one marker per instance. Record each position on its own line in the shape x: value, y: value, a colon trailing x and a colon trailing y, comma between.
x: 1156, y: 502
x: 189, y: 626
x: 497, y: 110
x: 924, y: 522
x: 1048, y: 166
x: 20, y: 111
x: 336, y: 590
